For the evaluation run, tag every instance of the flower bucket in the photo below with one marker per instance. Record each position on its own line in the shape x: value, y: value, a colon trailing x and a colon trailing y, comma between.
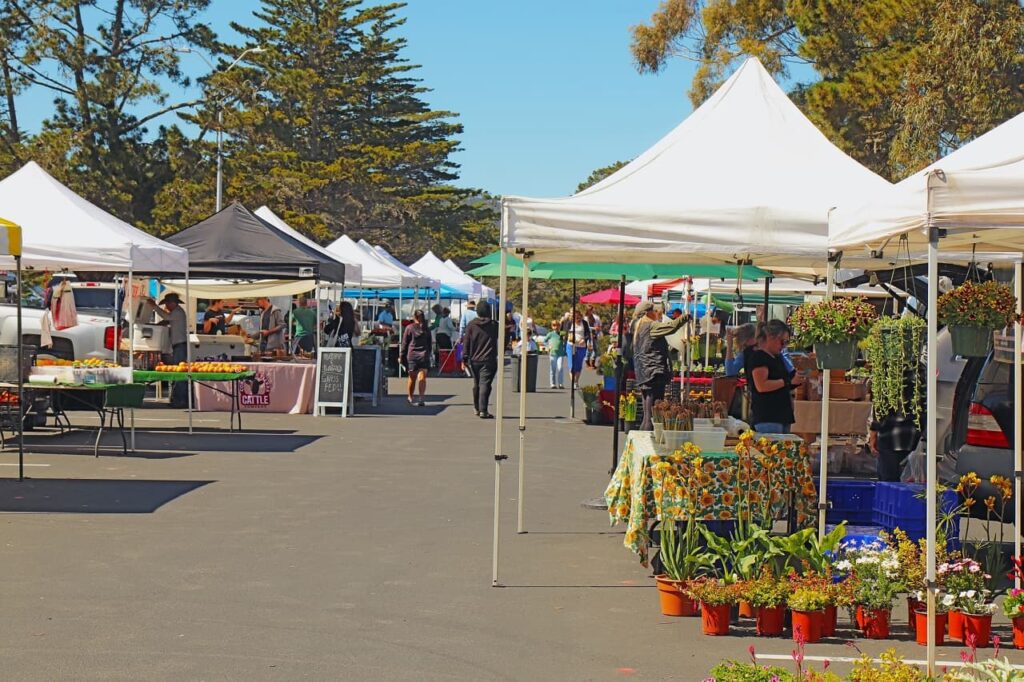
x: 808, y: 625
x: 858, y: 617
x: 829, y: 621
x: 714, y: 619
x: 912, y: 606
x: 673, y: 601
x: 659, y: 429
x: 769, y: 621
x: 1018, y: 632
x: 971, y: 342
x: 920, y: 619
x: 956, y: 626
x: 979, y: 628
x: 746, y: 610
x: 876, y: 623
x: 841, y: 355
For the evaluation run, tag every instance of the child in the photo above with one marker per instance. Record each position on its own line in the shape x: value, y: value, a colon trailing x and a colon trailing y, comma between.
x: 556, y: 354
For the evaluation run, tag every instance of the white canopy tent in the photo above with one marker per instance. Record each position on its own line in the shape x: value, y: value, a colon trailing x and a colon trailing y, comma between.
x: 376, y: 272
x: 64, y: 231
x: 778, y: 286
x: 419, y: 279
x: 971, y: 198
x: 432, y: 266
x: 745, y: 176
x: 353, y: 271
x: 485, y: 291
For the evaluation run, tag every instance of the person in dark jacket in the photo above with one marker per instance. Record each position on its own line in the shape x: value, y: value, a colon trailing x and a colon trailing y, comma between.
x: 416, y: 350
x: 650, y: 355
x: 480, y: 352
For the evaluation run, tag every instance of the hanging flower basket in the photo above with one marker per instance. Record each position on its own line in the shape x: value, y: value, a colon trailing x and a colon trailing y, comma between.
x: 971, y: 342
x: 836, y: 355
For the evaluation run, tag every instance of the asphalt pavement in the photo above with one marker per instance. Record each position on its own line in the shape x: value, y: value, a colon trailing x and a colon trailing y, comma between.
x: 339, y: 549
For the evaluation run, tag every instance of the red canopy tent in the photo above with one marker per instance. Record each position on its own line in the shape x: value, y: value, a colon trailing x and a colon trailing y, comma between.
x: 608, y: 297
x: 658, y: 288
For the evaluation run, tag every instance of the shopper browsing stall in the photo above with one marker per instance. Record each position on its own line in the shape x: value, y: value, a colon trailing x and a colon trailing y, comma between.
x: 650, y: 354
x: 342, y: 329
x: 771, y: 404
x: 305, y: 325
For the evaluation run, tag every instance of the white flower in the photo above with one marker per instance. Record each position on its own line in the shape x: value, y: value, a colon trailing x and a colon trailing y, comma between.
x: 948, y: 600
x: 971, y: 593
x: 843, y: 565
x: 963, y: 594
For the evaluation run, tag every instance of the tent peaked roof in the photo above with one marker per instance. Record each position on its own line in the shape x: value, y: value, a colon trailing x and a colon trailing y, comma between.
x: 975, y: 193
x: 421, y: 280
x: 353, y: 271
x: 432, y: 266
x: 746, y: 175
x: 485, y: 291
x: 237, y: 243
x: 61, y: 229
x: 377, y: 272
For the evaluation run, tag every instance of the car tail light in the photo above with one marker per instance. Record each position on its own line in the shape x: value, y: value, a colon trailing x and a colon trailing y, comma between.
x: 111, y: 339
x: 983, y: 430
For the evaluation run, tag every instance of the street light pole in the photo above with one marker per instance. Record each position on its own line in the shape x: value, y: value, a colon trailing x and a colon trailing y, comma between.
x: 220, y: 114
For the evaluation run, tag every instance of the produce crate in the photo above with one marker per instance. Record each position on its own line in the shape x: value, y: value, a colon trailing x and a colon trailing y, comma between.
x: 850, y: 500
x: 898, y: 505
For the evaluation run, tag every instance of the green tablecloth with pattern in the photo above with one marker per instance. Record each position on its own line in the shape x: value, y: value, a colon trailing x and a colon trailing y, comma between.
x: 147, y: 376
x: 651, y: 483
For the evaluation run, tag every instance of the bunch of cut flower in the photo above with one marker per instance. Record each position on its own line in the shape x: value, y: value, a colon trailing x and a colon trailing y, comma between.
x: 673, y: 416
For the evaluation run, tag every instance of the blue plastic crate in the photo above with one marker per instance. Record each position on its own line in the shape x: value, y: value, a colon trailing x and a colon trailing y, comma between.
x: 720, y: 528
x: 850, y: 500
x: 609, y: 383
x: 897, y: 505
x: 857, y: 536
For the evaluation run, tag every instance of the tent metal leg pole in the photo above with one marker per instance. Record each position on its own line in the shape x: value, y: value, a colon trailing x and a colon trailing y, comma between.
x: 767, y: 295
x: 826, y: 394
x: 524, y: 335
x: 572, y: 357
x: 932, y: 431
x: 619, y: 371
x: 188, y: 346
x: 130, y: 302
x: 499, y: 416
x: 1018, y: 416
x: 21, y: 376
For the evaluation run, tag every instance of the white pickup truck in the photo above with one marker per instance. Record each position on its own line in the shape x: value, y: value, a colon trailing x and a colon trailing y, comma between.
x: 92, y: 337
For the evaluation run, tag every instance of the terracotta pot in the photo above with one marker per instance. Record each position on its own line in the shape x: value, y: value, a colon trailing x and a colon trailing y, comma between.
x: 673, y: 601
x: 876, y: 623
x: 769, y: 621
x: 978, y: 627
x: 956, y: 626
x: 920, y: 619
x: 746, y: 610
x: 912, y: 606
x: 829, y: 621
x: 1018, y: 632
x: 714, y: 619
x: 858, y: 617
x: 808, y: 625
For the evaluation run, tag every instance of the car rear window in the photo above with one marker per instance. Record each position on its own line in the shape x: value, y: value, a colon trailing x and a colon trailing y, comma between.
x: 94, y: 298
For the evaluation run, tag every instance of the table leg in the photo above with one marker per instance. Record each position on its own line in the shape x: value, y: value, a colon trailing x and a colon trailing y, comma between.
x: 99, y: 433
x: 120, y: 427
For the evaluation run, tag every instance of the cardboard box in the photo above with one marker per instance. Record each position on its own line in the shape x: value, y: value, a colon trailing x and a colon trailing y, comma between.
x: 845, y: 417
x: 846, y: 390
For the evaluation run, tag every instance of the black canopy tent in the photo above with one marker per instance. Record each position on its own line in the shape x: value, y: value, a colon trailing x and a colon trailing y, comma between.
x: 237, y: 243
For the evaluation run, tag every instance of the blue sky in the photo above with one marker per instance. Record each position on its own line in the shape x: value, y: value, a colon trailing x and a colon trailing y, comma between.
x: 546, y: 89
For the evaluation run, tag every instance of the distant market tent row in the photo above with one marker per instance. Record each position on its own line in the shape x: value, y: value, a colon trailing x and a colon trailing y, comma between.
x: 353, y: 270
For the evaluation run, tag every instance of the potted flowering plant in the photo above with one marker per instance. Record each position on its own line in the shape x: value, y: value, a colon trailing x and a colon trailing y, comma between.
x: 627, y: 411
x: 965, y: 581
x: 716, y: 598
x: 808, y: 607
x: 592, y: 403
x: 768, y: 595
x: 1013, y: 604
x: 919, y: 616
x: 833, y: 327
x: 973, y: 311
x: 876, y: 572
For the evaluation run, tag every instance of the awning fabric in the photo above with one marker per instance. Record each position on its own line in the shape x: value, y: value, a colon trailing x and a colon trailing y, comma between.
x: 745, y: 176
x: 432, y: 266
x: 62, y: 230
x: 608, y: 297
x: 237, y: 243
x: 353, y: 271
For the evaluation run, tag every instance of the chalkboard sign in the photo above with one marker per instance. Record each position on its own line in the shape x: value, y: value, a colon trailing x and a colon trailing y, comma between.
x: 366, y: 372
x: 333, y: 380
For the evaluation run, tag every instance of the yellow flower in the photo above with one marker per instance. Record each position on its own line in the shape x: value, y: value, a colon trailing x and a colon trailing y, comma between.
x: 990, y: 503
x: 1003, y: 485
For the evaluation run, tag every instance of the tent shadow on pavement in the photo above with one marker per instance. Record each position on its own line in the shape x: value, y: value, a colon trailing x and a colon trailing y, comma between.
x: 220, y: 441
x: 91, y: 496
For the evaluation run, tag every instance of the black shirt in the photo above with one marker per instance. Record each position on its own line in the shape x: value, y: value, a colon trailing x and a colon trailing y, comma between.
x: 773, y: 406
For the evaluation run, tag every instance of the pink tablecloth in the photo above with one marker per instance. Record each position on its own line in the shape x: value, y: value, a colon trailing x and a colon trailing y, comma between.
x: 282, y: 387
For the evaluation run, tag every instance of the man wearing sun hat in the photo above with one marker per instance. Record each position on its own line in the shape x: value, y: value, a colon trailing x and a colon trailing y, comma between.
x: 173, y: 315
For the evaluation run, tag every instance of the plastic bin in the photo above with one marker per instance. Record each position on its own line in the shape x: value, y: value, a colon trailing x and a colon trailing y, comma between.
x: 898, y: 505
x: 609, y: 383
x: 858, y: 536
x: 531, y: 372
x: 850, y: 500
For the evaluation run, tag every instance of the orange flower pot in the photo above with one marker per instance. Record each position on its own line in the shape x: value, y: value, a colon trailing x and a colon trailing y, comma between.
x: 714, y: 619
x: 978, y: 627
x: 876, y: 623
x: 673, y: 601
x: 858, y: 617
x: 807, y: 624
x: 956, y: 626
x: 921, y: 627
x: 1018, y: 632
x: 769, y: 621
x: 829, y: 621
x: 746, y: 610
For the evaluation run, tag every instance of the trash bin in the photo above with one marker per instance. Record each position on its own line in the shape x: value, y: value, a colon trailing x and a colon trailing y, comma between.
x: 531, y: 372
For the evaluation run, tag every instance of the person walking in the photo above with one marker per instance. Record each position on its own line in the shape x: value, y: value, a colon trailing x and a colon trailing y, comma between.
x: 342, y: 329
x: 580, y: 341
x: 650, y: 355
x: 468, y: 315
x: 416, y: 350
x: 556, y: 354
x: 480, y: 350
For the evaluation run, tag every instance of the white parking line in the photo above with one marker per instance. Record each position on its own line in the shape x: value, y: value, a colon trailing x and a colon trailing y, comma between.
x: 14, y: 464
x: 848, y: 659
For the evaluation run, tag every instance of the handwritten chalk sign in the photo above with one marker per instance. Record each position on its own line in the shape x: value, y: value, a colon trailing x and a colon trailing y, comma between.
x: 333, y: 380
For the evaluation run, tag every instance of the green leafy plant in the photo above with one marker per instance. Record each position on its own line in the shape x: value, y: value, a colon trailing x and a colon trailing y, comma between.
x: 737, y: 671
x: 680, y: 556
x: 766, y: 590
x: 802, y: 549
x: 989, y: 305
x: 893, y: 354
x: 965, y: 581
x: 712, y: 591
x: 807, y: 599
x: 890, y: 668
x: 834, y: 321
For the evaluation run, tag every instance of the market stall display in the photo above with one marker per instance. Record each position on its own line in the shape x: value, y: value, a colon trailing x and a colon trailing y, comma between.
x: 204, y: 374
x: 270, y: 387
x: 652, y: 482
